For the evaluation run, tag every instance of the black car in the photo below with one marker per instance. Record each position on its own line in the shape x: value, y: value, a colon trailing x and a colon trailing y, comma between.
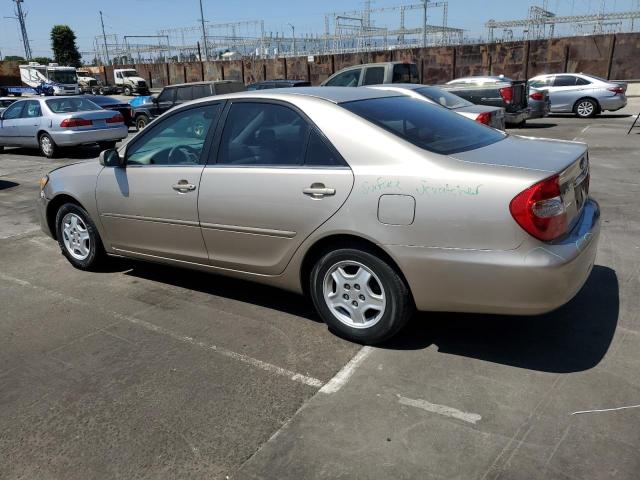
x: 109, y: 103
x: 174, y: 95
x: 268, y: 84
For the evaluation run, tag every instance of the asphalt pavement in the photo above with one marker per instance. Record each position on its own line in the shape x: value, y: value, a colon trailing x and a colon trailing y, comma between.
x: 146, y: 371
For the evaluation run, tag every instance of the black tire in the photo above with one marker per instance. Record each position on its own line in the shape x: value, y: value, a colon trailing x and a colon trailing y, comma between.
x: 1, y: 148
x: 107, y: 145
x: 127, y: 91
x: 586, y: 108
x: 101, y: 91
x: 17, y: 94
x: 141, y: 122
x: 96, y: 253
x: 47, y: 146
x: 397, y: 310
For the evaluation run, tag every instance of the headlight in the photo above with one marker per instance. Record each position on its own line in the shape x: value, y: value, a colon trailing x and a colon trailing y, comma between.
x: 43, y: 182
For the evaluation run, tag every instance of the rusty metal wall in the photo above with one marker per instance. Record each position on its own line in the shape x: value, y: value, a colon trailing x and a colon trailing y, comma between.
x: 625, y: 63
x: 320, y: 69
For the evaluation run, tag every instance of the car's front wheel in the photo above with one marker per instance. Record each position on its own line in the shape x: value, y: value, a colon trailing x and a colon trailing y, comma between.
x: 127, y: 91
x: 586, y: 108
x: 78, y: 237
x: 360, y: 296
x: 47, y: 145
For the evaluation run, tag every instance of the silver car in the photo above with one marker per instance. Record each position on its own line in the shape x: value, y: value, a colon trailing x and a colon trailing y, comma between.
x: 491, y: 116
x: 584, y: 95
x: 50, y: 123
x: 370, y: 202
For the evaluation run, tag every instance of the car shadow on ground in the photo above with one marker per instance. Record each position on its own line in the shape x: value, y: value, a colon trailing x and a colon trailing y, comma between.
x: 571, y: 339
x: 534, y: 126
x: 4, y: 184
x: 84, y: 152
x: 220, y: 286
x: 602, y: 115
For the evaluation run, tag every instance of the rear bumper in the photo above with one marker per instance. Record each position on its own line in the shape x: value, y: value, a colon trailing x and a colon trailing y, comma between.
x: 512, y: 118
x: 539, y: 109
x: 69, y: 138
x: 533, y: 279
x: 613, y: 103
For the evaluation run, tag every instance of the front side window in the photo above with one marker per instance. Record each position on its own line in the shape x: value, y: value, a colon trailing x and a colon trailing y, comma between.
x: 13, y: 112
x: 71, y: 105
x: 258, y: 134
x: 427, y: 126
x: 564, y: 81
x: 166, y: 95
x: 374, y: 76
x: 350, y: 78
x: 63, y: 76
x: 405, y: 73
x: 541, y: 82
x: 31, y: 109
x: 184, y: 94
x: 176, y: 140
x: 444, y: 98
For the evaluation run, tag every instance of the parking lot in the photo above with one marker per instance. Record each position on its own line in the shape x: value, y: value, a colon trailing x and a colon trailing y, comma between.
x: 148, y: 371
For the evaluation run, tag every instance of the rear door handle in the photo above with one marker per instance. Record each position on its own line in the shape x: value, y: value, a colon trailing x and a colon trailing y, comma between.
x: 184, y: 186
x: 318, y: 190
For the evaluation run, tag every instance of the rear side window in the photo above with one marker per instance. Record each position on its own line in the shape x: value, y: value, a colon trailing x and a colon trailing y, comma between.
x: 184, y: 94
x: 564, y: 81
x: 261, y: 134
x: 230, y: 87
x: 319, y: 154
x: 405, y: 73
x: 201, y: 91
x: 374, y: 76
x: 31, y: 109
x: 582, y: 81
x: 350, y: 78
x: 425, y: 125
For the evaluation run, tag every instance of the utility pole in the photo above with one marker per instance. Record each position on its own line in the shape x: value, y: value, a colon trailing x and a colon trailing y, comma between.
x: 23, y: 29
x: 293, y: 30
x: 204, y: 34
x: 424, y: 22
x: 104, y: 37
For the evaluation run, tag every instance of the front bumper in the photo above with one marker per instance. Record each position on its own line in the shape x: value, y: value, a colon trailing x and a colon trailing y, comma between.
x: 535, y: 278
x: 69, y: 138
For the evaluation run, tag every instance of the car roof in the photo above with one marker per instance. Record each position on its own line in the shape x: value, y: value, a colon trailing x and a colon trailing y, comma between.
x: 209, y: 82
x: 405, y: 86
x: 335, y: 95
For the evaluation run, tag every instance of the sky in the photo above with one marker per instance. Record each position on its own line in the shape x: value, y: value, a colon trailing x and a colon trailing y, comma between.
x: 145, y: 17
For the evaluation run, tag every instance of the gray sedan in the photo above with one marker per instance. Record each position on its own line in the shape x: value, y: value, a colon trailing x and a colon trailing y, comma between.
x: 370, y: 202
x: 49, y: 123
x: 584, y: 95
x: 491, y: 116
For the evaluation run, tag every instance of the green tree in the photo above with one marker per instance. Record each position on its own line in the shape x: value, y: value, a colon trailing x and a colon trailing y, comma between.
x: 14, y: 58
x: 43, y: 60
x: 63, y: 44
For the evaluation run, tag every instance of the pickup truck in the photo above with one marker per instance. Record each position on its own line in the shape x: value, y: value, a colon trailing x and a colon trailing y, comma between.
x: 173, y: 95
x: 496, y: 92
x: 374, y: 74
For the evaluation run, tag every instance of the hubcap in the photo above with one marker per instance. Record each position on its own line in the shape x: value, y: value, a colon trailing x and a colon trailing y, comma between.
x: 47, y: 147
x: 354, y: 294
x: 585, y: 109
x: 76, y: 236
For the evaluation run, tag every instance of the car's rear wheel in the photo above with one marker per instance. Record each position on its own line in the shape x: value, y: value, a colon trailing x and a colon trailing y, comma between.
x: 586, y: 108
x: 141, y: 122
x: 360, y: 296
x: 78, y: 237
x: 47, y: 145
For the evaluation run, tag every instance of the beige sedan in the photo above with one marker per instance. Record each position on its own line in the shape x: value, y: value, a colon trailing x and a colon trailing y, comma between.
x: 371, y: 202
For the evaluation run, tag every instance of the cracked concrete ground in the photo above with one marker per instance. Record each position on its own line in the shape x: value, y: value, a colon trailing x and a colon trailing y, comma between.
x: 144, y: 371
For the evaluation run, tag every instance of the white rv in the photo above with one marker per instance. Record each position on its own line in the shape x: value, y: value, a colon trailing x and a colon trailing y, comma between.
x: 50, y: 79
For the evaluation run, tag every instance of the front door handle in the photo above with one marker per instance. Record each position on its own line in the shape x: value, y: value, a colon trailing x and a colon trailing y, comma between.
x: 184, y: 186
x: 318, y: 190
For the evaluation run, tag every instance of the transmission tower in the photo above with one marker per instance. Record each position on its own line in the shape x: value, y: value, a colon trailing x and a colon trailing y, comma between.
x: 23, y: 28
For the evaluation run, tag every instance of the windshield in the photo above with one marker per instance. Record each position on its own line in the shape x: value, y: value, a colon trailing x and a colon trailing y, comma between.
x: 63, y: 76
x: 130, y: 73
x: 426, y: 126
x: 71, y: 105
x: 444, y: 98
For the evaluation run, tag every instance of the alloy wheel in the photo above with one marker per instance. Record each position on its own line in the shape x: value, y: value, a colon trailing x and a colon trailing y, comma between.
x: 585, y: 109
x: 75, y: 236
x: 46, y: 144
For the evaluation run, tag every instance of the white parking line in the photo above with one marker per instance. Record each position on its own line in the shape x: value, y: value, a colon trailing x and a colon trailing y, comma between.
x: 340, y: 378
x: 254, y: 362
x: 440, y: 409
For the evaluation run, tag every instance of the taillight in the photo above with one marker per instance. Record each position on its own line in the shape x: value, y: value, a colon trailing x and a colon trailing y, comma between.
x: 540, y: 210
x: 75, y: 122
x: 616, y: 90
x: 507, y: 94
x: 116, y: 119
x: 484, y: 117
x: 537, y: 96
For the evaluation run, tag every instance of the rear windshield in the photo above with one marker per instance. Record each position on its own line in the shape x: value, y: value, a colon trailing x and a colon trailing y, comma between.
x: 70, y: 105
x: 405, y: 73
x: 430, y: 127
x: 444, y: 98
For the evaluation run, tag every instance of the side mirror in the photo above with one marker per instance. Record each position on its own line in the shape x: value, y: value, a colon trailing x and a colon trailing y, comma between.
x: 111, y: 158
